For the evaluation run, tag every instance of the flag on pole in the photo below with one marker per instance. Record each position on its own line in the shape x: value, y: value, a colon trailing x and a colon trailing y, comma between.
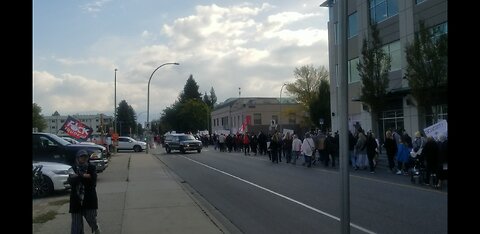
x: 77, y: 129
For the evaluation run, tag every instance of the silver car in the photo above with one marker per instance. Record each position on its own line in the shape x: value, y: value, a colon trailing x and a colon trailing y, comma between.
x: 55, y: 177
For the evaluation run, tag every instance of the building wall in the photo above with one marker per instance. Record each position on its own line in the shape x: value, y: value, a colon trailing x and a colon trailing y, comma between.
x: 54, y: 123
x: 235, y: 112
x: 398, y: 27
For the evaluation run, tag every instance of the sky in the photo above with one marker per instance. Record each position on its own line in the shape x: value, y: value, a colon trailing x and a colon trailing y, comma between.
x: 227, y: 45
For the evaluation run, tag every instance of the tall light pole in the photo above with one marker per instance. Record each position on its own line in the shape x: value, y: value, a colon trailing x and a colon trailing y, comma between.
x: 280, y: 114
x: 115, y: 102
x: 115, y: 110
x: 148, y: 102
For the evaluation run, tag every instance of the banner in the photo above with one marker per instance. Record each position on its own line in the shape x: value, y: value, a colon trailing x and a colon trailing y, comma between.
x: 245, y: 124
x: 76, y: 129
x: 437, y: 129
x: 285, y: 130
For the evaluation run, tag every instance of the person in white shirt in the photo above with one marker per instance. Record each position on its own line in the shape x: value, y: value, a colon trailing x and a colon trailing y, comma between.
x: 296, y: 148
x: 307, y: 149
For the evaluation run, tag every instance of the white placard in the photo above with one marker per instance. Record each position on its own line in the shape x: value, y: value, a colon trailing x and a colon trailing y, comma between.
x: 437, y: 129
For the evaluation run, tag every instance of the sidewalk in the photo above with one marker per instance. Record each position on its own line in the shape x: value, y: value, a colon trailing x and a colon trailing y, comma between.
x: 138, y: 194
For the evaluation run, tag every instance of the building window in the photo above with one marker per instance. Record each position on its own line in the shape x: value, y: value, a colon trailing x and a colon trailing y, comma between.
x: 53, y: 121
x: 292, y: 118
x: 53, y: 127
x: 419, y: 1
x: 62, y: 121
x: 393, y: 49
x: 442, y: 114
x: 96, y: 120
x: 335, y: 29
x: 353, y: 75
x: 352, y: 25
x: 275, y: 118
x: 257, y: 118
x: 439, y: 30
x: 380, y: 10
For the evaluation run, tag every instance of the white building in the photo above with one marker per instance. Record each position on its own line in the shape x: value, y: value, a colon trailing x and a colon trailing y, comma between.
x: 56, y: 121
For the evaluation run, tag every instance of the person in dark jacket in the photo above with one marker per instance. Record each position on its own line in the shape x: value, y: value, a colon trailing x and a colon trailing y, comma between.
x: 371, y: 150
x: 430, y: 152
x: 83, y: 194
x: 391, y: 148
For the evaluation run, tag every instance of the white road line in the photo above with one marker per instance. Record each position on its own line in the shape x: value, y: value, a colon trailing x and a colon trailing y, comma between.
x: 280, y: 195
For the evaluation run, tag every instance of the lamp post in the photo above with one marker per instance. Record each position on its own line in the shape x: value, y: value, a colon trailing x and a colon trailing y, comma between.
x: 115, y: 102
x: 280, y: 114
x: 115, y: 109
x: 148, y: 102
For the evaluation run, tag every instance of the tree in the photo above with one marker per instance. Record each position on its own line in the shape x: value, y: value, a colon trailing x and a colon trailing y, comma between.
x: 192, y: 115
x: 427, y: 66
x: 320, y: 106
x: 213, y: 98
x: 207, y: 100
x: 190, y: 91
x: 306, y: 85
x: 126, y: 118
x: 37, y: 119
x: 373, y: 70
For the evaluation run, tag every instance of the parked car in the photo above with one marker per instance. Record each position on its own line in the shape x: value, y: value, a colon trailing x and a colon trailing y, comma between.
x: 49, y: 147
x: 182, y: 142
x: 54, y: 178
x: 128, y: 143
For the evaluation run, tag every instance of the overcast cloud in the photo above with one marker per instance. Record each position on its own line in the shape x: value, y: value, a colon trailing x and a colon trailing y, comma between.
x: 255, y: 46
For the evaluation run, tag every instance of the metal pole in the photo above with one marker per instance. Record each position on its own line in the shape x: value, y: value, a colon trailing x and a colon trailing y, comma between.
x: 148, y: 103
x: 115, y: 111
x: 343, y: 118
x: 280, y: 114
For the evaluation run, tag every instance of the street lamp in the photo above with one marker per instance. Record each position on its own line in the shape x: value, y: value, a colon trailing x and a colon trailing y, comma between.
x: 148, y: 102
x: 115, y: 102
x: 280, y: 114
x: 115, y: 109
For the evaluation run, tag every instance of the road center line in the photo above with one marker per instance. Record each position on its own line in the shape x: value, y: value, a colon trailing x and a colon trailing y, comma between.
x: 280, y: 195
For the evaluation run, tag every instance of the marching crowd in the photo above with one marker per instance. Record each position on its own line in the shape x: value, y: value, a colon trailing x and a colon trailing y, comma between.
x: 404, y: 154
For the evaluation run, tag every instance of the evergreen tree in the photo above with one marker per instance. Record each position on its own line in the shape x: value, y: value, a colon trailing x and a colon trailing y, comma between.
x: 126, y: 119
x: 37, y: 119
x: 190, y: 91
x: 213, y: 98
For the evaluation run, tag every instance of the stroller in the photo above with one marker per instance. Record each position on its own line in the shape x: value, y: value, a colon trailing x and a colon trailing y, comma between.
x: 417, y: 171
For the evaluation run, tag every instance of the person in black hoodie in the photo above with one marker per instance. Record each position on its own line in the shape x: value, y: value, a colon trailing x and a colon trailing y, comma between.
x: 83, y: 194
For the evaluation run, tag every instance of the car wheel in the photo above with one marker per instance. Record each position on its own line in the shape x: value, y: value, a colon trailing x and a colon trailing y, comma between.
x: 168, y: 149
x: 43, y: 187
x: 137, y: 148
x: 199, y: 150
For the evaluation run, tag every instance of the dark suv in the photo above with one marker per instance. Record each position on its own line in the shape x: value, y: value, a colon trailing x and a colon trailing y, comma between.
x: 182, y: 142
x: 49, y: 147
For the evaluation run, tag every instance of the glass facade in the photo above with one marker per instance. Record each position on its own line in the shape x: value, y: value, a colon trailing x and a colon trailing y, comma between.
x: 394, y: 50
x: 353, y: 75
x: 352, y: 25
x: 380, y: 10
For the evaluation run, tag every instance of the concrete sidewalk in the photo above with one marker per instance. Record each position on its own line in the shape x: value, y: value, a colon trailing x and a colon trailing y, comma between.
x: 138, y: 194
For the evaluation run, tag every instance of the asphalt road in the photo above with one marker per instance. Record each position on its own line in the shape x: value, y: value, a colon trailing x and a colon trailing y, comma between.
x: 258, y: 196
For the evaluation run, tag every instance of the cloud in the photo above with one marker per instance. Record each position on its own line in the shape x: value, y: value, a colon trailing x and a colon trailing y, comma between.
x: 255, y: 47
x: 95, y: 6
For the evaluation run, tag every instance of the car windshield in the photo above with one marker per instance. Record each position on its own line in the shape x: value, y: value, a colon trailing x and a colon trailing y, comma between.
x: 186, y: 137
x: 59, y: 139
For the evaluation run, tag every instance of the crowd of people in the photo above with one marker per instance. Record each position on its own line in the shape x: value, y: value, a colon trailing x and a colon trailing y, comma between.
x: 317, y: 147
